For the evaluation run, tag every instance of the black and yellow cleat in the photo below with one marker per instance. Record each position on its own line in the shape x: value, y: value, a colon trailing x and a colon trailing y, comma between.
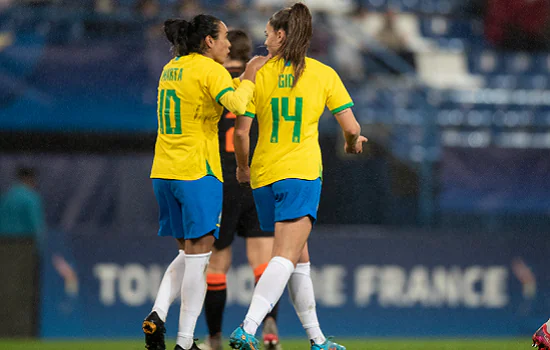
x: 153, y: 328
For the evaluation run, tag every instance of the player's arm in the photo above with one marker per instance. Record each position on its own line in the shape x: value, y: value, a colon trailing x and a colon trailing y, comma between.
x: 339, y: 102
x: 352, y: 131
x: 241, y: 142
x: 237, y: 100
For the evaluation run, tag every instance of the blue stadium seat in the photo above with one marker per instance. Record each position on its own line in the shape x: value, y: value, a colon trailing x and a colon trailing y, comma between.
x: 541, y: 63
x: 410, y: 5
x: 513, y: 117
x: 451, y: 43
x: 408, y: 117
x: 541, y: 119
x: 535, y: 82
x: 424, y: 6
x: 450, y: 117
x: 217, y: 3
x: 377, y: 5
x: 445, y: 29
x: 519, y: 63
x: 479, y: 118
x: 502, y: 82
x: 486, y: 62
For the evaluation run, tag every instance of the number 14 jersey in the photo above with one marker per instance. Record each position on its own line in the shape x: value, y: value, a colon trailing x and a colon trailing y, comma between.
x: 288, y: 118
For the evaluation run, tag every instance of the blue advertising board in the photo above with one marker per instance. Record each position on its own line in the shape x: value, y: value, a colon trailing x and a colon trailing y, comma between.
x: 366, y: 281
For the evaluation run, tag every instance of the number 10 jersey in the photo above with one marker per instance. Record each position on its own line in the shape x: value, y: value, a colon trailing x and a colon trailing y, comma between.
x: 189, y: 109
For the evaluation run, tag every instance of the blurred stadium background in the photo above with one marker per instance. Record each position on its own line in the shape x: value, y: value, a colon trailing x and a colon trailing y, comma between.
x: 439, y: 230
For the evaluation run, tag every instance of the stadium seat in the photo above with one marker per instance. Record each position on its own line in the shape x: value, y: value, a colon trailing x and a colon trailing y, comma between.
x: 518, y: 63
x: 502, y: 81
x: 485, y: 62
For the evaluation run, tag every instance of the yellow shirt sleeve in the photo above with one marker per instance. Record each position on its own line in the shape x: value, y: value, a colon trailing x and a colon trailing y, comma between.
x: 236, y: 82
x: 218, y: 81
x: 221, y: 87
x: 251, y: 109
x: 236, y: 101
x: 338, y: 97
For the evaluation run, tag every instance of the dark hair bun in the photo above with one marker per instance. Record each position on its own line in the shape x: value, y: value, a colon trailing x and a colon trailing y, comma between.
x: 176, y: 30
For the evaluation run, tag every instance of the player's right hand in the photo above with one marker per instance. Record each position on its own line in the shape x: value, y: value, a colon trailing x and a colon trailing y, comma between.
x: 357, y: 147
x: 243, y: 175
x: 257, y: 62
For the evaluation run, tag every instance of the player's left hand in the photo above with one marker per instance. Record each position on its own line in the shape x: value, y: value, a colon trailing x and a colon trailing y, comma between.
x: 243, y: 175
x: 357, y: 148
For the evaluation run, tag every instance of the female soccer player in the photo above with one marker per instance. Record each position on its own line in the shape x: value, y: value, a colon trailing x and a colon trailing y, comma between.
x: 291, y: 93
x: 187, y: 178
x: 239, y: 217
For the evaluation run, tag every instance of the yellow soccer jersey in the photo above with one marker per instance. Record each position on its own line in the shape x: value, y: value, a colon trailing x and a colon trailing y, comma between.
x: 288, y: 118
x: 191, y: 89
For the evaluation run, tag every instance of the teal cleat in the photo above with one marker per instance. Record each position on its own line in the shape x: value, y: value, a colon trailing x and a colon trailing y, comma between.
x: 239, y: 339
x: 327, y: 345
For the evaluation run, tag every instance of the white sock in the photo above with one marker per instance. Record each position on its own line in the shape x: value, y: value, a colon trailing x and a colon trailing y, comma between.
x: 269, y: 289
x: 170, y: 286
x: 548, y: 324
x: 302, y: 296
x: 193, y: 290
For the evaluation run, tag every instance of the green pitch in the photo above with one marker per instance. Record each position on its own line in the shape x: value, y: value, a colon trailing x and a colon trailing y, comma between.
x: 443, y: 344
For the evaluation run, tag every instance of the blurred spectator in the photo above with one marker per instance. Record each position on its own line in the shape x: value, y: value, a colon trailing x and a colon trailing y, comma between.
x: 189, y: 8
x: 390, y: 37
x: 156, y: 54
x: 104, y: 6
x: 4, y: 4
x: 21, y: 212
x: 322, y: 37
x: 268, y: 6
x: 234, y: 6
x: 148, y: 9
x: 329, y: 6
x: 518, y: 24
x: 348, y: 42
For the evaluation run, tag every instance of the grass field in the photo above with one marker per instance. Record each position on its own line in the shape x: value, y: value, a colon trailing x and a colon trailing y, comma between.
x: 443, y: 344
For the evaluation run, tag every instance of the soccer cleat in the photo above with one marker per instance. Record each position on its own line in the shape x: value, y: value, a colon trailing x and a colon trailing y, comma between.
x: 271, y: 335
x: 212, y: 343
x: 239, y: 339
x: 327, y: 345
x: 194, y: 347
x: 541, y: 338
x: 153, y: 328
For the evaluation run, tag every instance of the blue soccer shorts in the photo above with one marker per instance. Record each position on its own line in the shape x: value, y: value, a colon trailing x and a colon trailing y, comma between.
x: 189, y: 209
x: 287, y: 200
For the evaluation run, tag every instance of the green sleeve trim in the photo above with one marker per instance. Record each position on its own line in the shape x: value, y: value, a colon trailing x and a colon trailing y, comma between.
x: 341, y: 108
x: 223, y: 92
x: 249, y: 114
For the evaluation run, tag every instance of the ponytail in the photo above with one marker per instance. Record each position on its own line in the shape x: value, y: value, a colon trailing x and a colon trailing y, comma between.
x: 187, y: 37
x: 297, y: 23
